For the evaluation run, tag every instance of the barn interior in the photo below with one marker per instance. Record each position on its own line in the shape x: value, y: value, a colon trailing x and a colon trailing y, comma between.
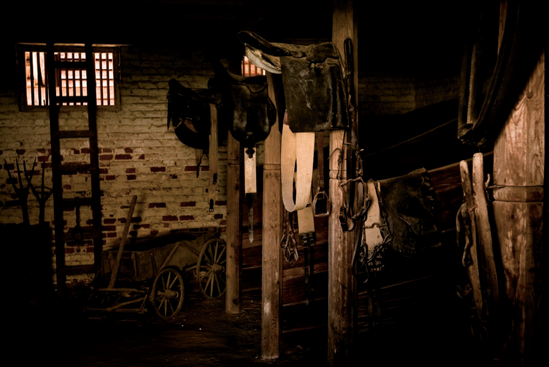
x: 117, y: 176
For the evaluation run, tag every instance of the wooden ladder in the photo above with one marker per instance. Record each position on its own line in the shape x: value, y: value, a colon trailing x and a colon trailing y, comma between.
x: 60, y: 169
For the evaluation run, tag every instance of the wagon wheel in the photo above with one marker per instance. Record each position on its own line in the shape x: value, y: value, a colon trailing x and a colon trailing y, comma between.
x: 210, y: 269
x: 168, y: 292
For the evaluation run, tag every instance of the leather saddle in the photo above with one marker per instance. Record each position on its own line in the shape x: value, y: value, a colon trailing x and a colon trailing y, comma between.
x: 399, y: 215
x: 314, y: 85
x: 189, y: 113
x: 246, y: 108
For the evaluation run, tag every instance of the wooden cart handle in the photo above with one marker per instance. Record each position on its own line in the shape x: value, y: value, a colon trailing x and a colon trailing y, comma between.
x: 114, y: 274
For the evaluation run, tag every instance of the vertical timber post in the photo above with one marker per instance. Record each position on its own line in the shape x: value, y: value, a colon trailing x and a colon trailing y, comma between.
x: 519, y: 162
x: 341, y: 283
x: 233, y: 304
x: 271, y: 284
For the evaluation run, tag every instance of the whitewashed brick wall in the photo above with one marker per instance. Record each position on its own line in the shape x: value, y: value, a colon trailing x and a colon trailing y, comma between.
x: 137, y: 155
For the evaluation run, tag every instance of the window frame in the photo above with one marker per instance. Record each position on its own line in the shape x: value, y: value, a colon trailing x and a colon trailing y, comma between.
x: 21, y: 48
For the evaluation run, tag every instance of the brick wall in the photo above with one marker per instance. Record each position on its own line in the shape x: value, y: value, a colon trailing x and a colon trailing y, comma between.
x: 137, y: 154
x: 389, y: 93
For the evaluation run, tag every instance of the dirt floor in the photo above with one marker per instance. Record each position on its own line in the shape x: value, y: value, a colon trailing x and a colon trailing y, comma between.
x: 203, y: 334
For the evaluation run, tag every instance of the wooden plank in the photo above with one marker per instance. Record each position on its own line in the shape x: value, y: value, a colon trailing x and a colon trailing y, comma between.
x: 233, y: 295
x: 272, y: 231
x: 473, y: 268
x: 485, y: 244
x: 519, y: 161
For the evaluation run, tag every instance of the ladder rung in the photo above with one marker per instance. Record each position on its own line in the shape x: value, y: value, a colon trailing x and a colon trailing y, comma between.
x: 74, y: 65
x: 73, y: 99
x: 70, y: 168
x: 64, y: 134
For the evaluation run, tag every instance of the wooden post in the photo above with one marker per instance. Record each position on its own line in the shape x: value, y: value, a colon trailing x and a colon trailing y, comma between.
x: 341, y: 283
x: 233, y: 304
x: 271, y: 235
x: 519, y: 161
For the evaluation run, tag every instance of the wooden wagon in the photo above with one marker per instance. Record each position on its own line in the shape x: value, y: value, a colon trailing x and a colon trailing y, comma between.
x: 152, y: 274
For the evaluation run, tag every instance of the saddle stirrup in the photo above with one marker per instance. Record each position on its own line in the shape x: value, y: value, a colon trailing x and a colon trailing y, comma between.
x: 321, y: 201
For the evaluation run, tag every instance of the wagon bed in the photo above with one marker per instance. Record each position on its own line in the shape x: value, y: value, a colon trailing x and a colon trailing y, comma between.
x: 150, y: 273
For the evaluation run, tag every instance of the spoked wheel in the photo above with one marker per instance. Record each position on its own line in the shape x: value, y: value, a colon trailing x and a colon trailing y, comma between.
x: 168, y: 292
x: 210, y: 270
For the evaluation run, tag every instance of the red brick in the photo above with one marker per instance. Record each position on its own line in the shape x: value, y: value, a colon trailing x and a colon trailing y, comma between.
x: 205, y: 168
x: 221, y: 202
x: 109, y: 221
x: 169, y: 218
x: 105, y: 150
x: 130, y: 170
x: 43, y: 158
x: 154, y: 232
x: 188, y: 203
x: 131, y: 177
x: 142, y: 156
x: 136, y: 219
x: 122, y: 220
x: 69, y: 250
x: 173, y: 176
x: 186, y: 217
x: 190, y: 168
x: 223, y: 223
x: 123, y: 156
x: 67, y: 187
x: 20, y: 151
x: 128, y: 150
x: 103, y: 171
x: 85, y: 150
x: 105, y: 157
x: 41, y: 150
x: 110, y: 177
x: 109, y: 228
x: 158, y: 169
x: 157, y: 205
x: 218, y: 216
x: 76, y: 151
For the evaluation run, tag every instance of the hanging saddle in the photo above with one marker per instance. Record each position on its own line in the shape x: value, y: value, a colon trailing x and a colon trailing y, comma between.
x: 314, y: 85
x: 189, y: 113
x: 399, y: 214
x: 246, y: 108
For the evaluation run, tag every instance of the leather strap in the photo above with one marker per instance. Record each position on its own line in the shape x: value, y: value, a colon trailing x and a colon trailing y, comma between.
x: 212, y: 187
x: 250, y: 189
x: 298, y: 147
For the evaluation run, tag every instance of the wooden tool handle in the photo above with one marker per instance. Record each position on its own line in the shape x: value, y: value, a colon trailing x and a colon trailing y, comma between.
x: 114, y: 274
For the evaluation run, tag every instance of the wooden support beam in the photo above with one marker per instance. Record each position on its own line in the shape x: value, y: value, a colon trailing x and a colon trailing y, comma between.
x: 519, y: 162
x: 341, y: 283
x: 233, y: 294
x: 272, y: 231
